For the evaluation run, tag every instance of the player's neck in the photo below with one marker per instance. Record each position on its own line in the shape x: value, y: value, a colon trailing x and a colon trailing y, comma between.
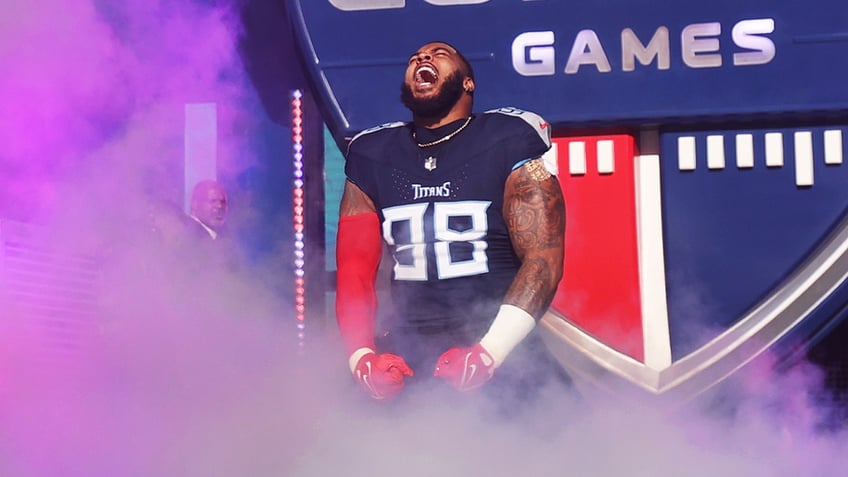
x: 460, y: 111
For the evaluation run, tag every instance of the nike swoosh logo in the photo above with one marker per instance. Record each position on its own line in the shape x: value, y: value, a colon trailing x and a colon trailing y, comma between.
x: 543, y: 125
x: 468, y: 376
x: 366, y: 380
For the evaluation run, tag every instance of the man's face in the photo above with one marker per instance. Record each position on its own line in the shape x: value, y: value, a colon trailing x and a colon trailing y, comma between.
x: 434, y: 80
x: 211, y: 206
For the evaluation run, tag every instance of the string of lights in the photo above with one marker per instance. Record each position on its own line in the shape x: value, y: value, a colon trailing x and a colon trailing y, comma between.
x: 298, y: 216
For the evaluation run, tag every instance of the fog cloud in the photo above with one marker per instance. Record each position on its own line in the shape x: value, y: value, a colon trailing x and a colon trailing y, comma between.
x: 182, y: 368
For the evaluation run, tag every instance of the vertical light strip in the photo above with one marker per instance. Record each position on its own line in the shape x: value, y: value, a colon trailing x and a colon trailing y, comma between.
x: 298, y: 215
x: 200, y: 146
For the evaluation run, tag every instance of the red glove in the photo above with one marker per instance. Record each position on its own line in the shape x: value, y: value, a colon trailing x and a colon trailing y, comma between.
x: 381, y: 374
x: 466, y: 368
x: 469, y: 368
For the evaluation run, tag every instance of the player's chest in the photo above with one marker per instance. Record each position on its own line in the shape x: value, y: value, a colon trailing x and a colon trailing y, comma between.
x: 441, y: 175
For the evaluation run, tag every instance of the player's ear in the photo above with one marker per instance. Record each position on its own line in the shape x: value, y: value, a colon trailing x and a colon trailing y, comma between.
x: 468, y: 85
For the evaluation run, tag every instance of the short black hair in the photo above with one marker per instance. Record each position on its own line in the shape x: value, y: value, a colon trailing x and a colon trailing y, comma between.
x: 468, y: 69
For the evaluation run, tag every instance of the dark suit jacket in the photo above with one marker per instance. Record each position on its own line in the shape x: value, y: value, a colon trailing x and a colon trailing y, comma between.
x: 221, y: 251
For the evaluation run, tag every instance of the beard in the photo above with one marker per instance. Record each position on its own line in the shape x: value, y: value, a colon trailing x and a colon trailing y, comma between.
x: 435, y: 106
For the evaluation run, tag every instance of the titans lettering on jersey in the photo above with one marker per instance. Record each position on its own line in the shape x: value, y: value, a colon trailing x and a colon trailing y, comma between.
x: 441, y: 209
x: 422, y: 191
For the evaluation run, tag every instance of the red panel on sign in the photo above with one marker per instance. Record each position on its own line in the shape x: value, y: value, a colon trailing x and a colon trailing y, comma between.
x: 599, y: 292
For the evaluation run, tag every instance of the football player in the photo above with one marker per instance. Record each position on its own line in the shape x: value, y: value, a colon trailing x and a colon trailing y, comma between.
x: 474, y: 220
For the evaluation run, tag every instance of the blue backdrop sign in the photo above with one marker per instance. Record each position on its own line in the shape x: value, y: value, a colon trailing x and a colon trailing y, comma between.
x: 705, y: 190
x: 579, y: 63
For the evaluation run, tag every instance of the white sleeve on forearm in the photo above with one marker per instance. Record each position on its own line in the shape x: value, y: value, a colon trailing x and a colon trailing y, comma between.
x: 354, y: 358
x: 511, y: 326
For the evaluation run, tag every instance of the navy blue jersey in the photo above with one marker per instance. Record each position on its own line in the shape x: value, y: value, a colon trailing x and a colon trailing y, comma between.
x: 441, y: 210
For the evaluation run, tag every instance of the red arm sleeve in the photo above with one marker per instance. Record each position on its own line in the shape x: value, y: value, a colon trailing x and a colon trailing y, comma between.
x: 358, y: 252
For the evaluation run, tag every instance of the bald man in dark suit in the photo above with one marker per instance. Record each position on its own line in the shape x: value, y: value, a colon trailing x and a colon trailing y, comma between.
x: 208, y: 211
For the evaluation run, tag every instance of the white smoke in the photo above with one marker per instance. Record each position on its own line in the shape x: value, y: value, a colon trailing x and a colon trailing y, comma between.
x: 195, y: 372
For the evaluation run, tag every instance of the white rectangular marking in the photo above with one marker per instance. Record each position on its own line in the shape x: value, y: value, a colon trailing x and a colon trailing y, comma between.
x: 551, y: 159
x: 715, y: 152
x: 655, y: 329
x: 686, y: 153
x: 606, y: 157
x: 577, y: 158
x: 774, y: 149
x: 744, y: 151
x: 833, y: 146
x: 804, y: 158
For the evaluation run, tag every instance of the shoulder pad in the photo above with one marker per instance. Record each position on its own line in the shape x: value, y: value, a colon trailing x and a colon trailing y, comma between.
x: 542, y: 127
x: 378, y: 128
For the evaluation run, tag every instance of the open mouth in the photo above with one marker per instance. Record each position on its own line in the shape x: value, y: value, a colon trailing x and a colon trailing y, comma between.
x: 425, y: 75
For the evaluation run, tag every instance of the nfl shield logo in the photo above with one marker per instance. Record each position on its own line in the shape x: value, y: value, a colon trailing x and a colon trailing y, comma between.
x: 690, y: 258
x: 430, y: 163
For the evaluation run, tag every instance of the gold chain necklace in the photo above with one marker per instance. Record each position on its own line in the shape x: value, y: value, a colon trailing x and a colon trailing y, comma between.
x: 446, y: 138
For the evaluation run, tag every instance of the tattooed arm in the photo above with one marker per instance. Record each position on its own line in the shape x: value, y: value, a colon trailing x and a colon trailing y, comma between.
x: 535, y: 216
x: 534, y: 211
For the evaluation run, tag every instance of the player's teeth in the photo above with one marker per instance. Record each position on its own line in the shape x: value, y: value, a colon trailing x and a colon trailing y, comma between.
x: 430, y: 73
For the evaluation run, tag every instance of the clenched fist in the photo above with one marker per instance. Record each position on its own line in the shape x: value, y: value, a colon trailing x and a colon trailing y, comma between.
x: 382, y: 375
x: 466, y: 368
